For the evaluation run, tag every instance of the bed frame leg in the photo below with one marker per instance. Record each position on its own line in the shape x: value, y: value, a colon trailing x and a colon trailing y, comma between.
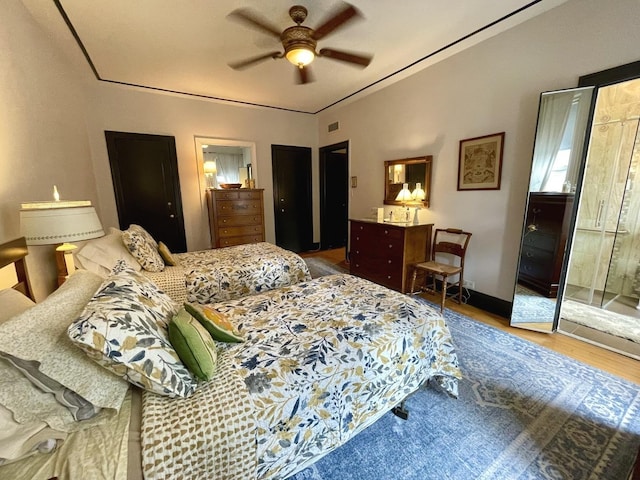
x: 400, y: 411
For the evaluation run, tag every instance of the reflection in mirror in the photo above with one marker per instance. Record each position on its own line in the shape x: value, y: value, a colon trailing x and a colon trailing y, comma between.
x: 225, y: 161
x: 416, y: 173
x: 557, y: 158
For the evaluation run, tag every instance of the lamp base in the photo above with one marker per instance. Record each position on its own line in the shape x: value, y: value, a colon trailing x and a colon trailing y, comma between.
x: 64, y: 261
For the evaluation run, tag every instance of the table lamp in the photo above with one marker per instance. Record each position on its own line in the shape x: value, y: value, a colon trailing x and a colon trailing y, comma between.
x: 60, y: 222
x: 404, y: 196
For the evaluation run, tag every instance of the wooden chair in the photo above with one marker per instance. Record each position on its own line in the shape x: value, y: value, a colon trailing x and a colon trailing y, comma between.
x: 450, y: 241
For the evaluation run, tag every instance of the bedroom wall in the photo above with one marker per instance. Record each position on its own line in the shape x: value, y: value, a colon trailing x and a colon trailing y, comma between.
x: 55, y: 114
x: 136, y: 110
x: 489, y: 88
x: 43, y: 136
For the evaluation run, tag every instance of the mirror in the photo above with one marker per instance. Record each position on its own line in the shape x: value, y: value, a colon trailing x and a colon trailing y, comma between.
x: 558, y: 156
x: 415, y: 172
x: 225, y: 162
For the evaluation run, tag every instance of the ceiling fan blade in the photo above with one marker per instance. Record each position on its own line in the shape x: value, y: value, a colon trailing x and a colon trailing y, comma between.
x: 304, y: 75
x: 362, y: 60
x: 251, y: 19
x: 253, y: 60
x: 337, y: 20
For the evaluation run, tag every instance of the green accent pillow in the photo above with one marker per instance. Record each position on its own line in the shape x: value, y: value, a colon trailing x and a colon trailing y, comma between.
x: 166, y: 255
x: 216, y: 324
x: 194, y: 345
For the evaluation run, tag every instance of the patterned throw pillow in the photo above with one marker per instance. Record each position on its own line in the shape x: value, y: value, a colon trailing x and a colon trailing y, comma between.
x: 194, y: 345
x: 166, y: 255
x: 124, y: 329
x: 216, y: 324
x: 143, y: 247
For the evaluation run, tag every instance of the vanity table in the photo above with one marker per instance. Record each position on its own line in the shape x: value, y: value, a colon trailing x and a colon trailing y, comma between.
x: 383, y: 251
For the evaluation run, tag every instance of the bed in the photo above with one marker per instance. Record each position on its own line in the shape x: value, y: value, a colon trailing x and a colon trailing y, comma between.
x: 319, y: 361
x: 204, y: 276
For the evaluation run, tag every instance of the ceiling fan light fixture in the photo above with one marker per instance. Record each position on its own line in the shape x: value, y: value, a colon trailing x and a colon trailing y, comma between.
x: 300, y: 56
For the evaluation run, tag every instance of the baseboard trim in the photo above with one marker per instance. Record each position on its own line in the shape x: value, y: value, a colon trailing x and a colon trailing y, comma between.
x: 490, y: 304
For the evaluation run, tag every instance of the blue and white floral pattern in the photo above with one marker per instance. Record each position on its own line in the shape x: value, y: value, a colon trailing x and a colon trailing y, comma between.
x: 233, y: 272
x: 124, y: 329
x: 324, y: 359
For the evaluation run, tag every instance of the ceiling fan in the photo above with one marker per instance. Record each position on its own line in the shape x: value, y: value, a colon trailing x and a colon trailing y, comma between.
x: 299, y: 42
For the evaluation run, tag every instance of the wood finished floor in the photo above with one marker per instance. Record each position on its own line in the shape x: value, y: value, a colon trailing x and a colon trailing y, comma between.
x: 597, y: 357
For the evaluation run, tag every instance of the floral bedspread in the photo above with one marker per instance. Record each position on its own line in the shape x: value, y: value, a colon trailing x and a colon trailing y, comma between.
x: 233, y: 272
x: 324, y: 359
x: 321, y: 361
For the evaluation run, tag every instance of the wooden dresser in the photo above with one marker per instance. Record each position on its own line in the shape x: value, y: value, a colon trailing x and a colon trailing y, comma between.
x: 382, y: 252
x: 543, y: 244
x: 236, y: 216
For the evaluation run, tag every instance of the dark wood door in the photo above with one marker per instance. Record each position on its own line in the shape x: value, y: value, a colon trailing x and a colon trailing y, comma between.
x: 334, y: 195
x: 292, y: 202
x: 144, y: 169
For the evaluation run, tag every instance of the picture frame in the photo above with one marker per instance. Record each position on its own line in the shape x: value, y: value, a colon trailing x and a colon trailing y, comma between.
x: 480, y: 162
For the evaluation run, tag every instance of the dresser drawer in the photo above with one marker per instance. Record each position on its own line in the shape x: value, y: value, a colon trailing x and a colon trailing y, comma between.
x: 230, y: 241
x: 237, y: 194
x: 543, y: 241
x: 239, y: 207
x: 238, y: 231
x: 536, y: 263
x: 239, y: 220
x: 380, y: 232
x: 383, y: 274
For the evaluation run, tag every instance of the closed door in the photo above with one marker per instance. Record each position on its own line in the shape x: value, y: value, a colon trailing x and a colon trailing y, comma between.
x: 334, y: 191
x: 291, y: 168
x: 144, y: 169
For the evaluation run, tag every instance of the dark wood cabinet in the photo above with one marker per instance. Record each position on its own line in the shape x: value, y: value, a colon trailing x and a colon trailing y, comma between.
x: 236, y: 216
x: 544, y: 241
x: 382, y: 252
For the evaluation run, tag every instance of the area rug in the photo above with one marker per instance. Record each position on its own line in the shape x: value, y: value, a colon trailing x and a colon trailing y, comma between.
x: 524, y: 412
x: 531, y: 307
x: 604, y: 320
x: 319, y: 267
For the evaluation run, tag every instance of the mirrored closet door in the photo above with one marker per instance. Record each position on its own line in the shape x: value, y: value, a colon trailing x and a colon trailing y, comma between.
x: 600, y: 302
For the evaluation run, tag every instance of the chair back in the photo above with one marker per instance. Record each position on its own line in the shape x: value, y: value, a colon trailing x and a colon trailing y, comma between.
x: 453, y: 241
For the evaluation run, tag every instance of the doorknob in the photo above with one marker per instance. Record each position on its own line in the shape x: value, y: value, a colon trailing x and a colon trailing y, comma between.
x: 172, y: 216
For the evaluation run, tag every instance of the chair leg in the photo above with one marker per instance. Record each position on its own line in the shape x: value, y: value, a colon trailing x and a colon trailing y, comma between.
x: 460, y: 282
x: 444, y: 292
x: 413, y: 280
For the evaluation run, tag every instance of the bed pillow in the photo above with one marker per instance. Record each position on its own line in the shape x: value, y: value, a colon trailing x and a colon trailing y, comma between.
x: 143, y: 247
x: 13, y: 302
x: 101, y: 254
x: 166, y: 255
x: 216, y: 323
x: 194, y: 345
x: 124, y: 329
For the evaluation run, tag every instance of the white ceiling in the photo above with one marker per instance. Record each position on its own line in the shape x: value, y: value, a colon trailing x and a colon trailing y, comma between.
x: 185, y: 46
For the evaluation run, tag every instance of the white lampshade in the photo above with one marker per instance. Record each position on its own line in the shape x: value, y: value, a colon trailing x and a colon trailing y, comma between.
x: 210, y: 166
x: 48, y: 223
x: 418, y: 193
x: 404, y: 195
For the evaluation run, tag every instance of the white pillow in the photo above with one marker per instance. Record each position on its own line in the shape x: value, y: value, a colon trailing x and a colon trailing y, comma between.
x: 101, y: 254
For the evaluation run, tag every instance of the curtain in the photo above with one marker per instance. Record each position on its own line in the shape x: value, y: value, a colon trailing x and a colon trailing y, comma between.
x: 582, y: 115
x: 552, y: 120
x: 227, y: 166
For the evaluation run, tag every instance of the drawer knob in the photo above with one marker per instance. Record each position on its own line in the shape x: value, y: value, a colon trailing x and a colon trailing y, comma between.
x: 386, y: 232
x: 391, y: 245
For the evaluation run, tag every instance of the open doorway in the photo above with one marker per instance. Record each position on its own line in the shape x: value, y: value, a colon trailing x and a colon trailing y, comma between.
x: 334, y: 195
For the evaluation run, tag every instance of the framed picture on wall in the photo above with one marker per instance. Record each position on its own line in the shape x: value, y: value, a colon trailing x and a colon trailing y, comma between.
x: 480, y: 162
